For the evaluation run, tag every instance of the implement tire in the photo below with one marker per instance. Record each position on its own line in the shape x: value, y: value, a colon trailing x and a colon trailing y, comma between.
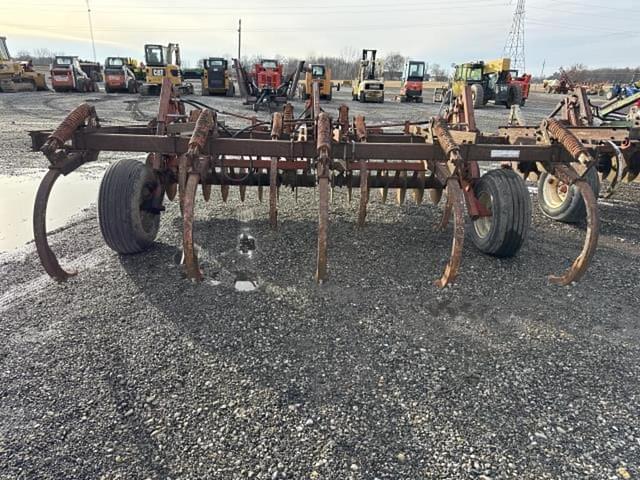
x: 562, y: 203
x: 505, y: 194
x: 125, y: 193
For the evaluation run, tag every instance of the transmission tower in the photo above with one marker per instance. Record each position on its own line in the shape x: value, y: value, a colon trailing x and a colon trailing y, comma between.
x: 514, y: 48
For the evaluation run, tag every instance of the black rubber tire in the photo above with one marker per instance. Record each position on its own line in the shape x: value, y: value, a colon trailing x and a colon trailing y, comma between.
x: 571, y: 209
x: 107, y: 89
x: 477, y: 93
x: 502, y: 234
x: 362, y: 98
x: 514, y: 96
x: 131, y: 86
x: 125, y: 226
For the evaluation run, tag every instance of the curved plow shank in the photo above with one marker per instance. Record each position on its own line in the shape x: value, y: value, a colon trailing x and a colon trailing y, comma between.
x: 580, y: 264
x: 273, y: 193
x: 190, y: 259
x: 446, y: 214
x: 323, y: 221
x: 454, y: 195
x: 47, y: 257
x: 364, y: 194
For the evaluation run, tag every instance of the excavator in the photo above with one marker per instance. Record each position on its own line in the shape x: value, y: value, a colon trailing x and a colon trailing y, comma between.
x: 16, y: 76
x: 493, y: 80
x: 163, y: 62
x: 411, y: 82
x: 367, y: 87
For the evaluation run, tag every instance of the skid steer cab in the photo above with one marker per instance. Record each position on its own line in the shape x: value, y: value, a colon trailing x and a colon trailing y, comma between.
x: 321, y: 74
x: 163, y: 62
x: 215, y: 77
x: 68, y: 76
x: 121, y: 75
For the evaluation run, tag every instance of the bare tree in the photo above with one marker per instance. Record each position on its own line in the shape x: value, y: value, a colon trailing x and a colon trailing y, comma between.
x: 438, y: 73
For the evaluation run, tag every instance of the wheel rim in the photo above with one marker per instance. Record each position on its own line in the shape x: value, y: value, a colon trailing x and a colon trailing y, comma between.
x: 554, y: 191
x: 483, y: 225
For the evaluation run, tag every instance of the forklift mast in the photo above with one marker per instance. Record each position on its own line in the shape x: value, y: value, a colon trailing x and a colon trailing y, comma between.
x: 369, y: 64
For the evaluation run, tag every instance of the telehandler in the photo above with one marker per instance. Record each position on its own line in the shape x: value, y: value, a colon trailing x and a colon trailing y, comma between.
x: 493, y: 80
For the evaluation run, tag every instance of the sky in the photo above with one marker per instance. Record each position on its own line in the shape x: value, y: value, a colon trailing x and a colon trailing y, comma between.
x: 597, y: 33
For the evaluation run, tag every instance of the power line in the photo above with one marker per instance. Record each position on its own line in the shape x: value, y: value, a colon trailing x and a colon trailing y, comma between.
x: 93, y: 43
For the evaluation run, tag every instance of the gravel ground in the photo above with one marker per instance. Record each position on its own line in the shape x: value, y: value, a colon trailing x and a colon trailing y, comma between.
x: 129, y: 371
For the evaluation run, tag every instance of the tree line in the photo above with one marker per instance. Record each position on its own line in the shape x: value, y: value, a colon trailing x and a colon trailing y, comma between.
x: 580, y: 73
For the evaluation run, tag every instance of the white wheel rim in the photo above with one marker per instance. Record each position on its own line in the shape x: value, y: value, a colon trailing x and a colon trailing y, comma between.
x: 554, y: 191
x: 483, y: 225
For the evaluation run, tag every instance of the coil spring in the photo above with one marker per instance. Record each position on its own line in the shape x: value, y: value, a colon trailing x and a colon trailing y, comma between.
x: 447, y: 142
x: 567, y: 139
x: 70, y: 124
x: 287, y: 113
x: 204, y: 124
x: 324, y: 134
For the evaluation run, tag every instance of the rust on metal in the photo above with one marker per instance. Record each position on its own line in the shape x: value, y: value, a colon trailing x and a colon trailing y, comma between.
x: 72, y: 122
x: 455, y: 200
x: 187, y: 149
x: 47, y: 257
x: 192, y: 269
x: 204, y: 125
x: 578, y: 268
x: 287, y: 115
x: 569, y: 141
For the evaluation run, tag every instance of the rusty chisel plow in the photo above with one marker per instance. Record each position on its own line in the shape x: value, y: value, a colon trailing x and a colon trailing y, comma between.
x: 191, y: 151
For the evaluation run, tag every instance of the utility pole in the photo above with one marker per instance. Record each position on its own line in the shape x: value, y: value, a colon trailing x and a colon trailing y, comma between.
x: 93, y: 43
x: 514, y: 48
x: 544, y: 62
x: 239, y: 37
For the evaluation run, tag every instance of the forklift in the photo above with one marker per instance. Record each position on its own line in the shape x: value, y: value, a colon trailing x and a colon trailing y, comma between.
x: 215, y: 77
x: 411, y: 82
x: 367, y: 86
x: 163, y: 62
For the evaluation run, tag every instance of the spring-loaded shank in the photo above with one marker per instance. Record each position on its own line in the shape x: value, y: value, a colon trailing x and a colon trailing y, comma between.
x: 190, y: 149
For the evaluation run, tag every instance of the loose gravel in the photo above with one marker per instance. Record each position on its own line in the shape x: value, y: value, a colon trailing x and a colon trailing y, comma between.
x: 130, y: 371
